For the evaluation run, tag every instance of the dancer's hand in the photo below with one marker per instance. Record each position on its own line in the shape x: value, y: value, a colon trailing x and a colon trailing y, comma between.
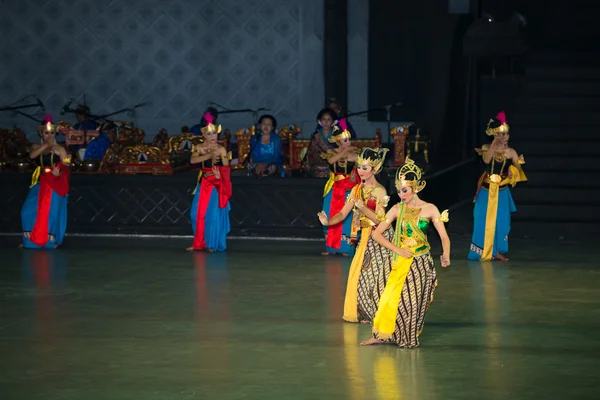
x: 56, y: 171
x: 359, y: 204
x: 216, y: 172
x: 405, y: 253
x: 445, y: 260
x: 323, y: 218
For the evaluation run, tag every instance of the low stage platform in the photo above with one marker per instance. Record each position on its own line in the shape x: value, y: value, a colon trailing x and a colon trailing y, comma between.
x: 160, y: 205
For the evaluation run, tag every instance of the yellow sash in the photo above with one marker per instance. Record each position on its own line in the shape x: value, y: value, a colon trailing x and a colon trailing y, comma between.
x: 516, y: 175
x: 384, y: 323
x: 351, y: 299
x: 35, y: 177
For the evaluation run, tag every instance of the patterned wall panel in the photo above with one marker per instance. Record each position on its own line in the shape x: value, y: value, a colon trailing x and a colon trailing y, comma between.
x: 176, y: 56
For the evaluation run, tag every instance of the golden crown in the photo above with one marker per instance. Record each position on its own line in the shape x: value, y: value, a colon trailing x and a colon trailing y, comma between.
x: 503, y: 129
x: 377, y: 162
x: 211, y: 128
x: 409, y: 166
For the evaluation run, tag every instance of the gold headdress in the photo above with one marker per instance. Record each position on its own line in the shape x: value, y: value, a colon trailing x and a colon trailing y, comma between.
x: 210, y: 127
x: 374, y: 157
x: 47, y: 125
x: 340, y: 132
x: 503, y: 129
x: 409, y: 166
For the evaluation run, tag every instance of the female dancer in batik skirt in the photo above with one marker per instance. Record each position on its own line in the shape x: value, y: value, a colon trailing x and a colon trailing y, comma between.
x: 44, y: 213
x: 371, y: 264
x: 409, y: 290
x: 493, y: 201
x: 340, y: 237
x: 210, y: 207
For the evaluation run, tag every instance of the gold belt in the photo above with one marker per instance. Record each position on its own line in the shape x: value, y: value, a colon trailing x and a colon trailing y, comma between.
x: 411, y: 242
x: 337, y: 178
x: 497, y: 179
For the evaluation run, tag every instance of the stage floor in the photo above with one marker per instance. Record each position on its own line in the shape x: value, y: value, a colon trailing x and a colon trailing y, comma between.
x: 143, y: 319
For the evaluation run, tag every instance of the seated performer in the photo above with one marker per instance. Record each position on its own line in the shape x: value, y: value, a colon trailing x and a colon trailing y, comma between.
x: 210, y: 207
x: 82, y: 113
x: 44, y: 213
x: 98, y: 147
x: 371, y: 264
x: 410, y: 286
x: 266, y: 157
x: 315, y: 165
x: 341, y: 237
x: 336, y: 106
x: 493, y: 201
x: 197, y: 129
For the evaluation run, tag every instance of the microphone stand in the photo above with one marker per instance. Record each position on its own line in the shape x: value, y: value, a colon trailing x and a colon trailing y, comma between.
x: 388, y: 108
x: 13, y: 108
x: 30, y: 117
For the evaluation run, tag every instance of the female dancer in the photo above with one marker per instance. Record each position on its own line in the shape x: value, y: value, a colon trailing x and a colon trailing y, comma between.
x: 44, y: 213
x: 340, y: 237
x: 493, y: 201
x: 409, y: 290
x: 371, y: 264
x: 210, y: 207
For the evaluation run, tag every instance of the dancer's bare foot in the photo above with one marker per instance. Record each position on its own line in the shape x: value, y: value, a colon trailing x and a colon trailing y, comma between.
x: 325, y: 253
x: 345, y: 254
x: 191, y: 248
x: 209, y: 250
x: 500, y: 257
x: 21, y: 246
x: 371, y: 341
x: 364, y: 321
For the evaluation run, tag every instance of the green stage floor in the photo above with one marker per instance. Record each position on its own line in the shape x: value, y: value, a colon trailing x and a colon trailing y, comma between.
x: 143, y: 319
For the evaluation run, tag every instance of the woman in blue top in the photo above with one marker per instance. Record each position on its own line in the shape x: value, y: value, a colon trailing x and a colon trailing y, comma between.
x: 266, y: 157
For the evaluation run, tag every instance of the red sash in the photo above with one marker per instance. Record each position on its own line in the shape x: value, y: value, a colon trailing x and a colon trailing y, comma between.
x: 338, y: 199
x: 48, y: 183
x: 208, y: 182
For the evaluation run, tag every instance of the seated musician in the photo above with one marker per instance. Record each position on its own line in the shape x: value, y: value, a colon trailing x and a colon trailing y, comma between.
x: 266, y: 158
x: 197, y: 129
x: 82, y: 113
x: 336, y: 106
x: 319, y: 144
x: 98, y: 147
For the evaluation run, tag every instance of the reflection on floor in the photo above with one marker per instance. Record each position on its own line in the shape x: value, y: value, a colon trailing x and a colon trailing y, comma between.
x: 143, y: 319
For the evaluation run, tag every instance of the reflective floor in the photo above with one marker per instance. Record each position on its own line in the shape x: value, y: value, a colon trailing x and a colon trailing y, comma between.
x: 107, y: 319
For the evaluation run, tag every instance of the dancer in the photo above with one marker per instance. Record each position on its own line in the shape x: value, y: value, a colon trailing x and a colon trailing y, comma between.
x: 44, y: 213
x: 409, y: 290
x: 210, y: 207
x: 340, y: 237
x: 493, y: 200
x: 371, y: 263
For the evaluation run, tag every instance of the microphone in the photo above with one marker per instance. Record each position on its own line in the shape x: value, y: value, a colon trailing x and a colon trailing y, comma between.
x: 41, y: 104
x: 65, y: 108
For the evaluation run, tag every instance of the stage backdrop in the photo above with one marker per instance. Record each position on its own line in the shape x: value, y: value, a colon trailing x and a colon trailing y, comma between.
x: 176, y: 56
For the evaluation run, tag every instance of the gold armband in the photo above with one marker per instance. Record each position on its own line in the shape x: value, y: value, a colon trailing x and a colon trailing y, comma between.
x: 444, y: 217
x: 66, y: 160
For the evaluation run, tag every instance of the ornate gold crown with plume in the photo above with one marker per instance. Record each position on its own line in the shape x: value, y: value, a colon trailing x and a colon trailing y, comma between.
x: 210, y: 127
x: 373, y: 157
x: 503, y: 129
x: 340, y: 131
x: 47, y: 125
x: 409, y: 166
